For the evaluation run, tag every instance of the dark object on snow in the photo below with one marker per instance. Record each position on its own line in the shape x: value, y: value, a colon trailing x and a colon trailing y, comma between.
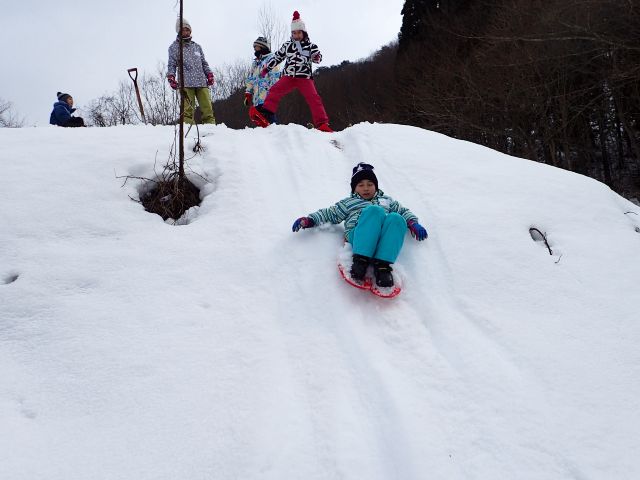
x: 11, y: 278
x: 171, y: 198
x: 538, y: 236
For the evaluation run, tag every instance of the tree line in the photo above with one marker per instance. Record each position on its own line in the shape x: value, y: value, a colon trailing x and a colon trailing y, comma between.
x: 555, y: 81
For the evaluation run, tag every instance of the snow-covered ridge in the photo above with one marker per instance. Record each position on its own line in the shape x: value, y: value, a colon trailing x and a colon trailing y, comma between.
x: 229, y: 348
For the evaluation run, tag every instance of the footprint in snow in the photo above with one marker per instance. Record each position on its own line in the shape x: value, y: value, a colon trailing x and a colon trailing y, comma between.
x: 12, y: 277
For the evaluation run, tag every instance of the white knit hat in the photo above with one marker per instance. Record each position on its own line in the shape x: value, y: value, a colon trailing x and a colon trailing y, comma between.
x: 297, y: 23
x: 185, y: 23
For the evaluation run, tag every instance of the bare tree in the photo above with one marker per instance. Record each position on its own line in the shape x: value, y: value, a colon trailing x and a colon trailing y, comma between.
x: 8, y: 118
x: 117, y: 108
x: 271, y: 26
x: 161, y: 102
x: 96, y: 115
x: 122, y: 103
x: 230, y: 78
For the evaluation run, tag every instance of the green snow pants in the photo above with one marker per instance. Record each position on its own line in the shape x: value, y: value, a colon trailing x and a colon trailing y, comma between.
x: 204, y: 102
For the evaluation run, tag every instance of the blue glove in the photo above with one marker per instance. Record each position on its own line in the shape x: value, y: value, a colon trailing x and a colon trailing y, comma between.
x: 303, y: 222
x: 417, y: 231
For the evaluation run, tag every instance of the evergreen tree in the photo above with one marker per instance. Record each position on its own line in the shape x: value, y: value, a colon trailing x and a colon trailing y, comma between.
x: 414, y: 13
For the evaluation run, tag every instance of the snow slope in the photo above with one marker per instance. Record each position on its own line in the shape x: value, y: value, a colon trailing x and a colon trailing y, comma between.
x: 229, y: 348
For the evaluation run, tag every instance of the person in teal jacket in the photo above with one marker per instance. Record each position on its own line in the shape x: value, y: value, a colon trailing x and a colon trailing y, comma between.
x: 374, y: 224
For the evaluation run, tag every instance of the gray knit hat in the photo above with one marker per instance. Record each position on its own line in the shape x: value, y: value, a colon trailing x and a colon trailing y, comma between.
x: 263, y: 42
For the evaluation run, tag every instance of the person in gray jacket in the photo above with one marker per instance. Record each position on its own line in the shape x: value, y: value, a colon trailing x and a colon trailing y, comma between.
x: 198, y: 76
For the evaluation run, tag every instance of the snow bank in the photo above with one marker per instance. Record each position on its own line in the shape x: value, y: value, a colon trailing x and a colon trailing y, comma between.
x: 230, y: 347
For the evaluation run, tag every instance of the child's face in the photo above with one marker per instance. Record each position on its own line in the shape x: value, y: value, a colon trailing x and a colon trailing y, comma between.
x: 185, y: 32
x: 70, y: 101
x: 366, y: 189
x: 297, y: 35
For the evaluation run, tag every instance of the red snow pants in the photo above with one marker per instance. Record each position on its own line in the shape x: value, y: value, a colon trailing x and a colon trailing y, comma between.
x: 308, y: 90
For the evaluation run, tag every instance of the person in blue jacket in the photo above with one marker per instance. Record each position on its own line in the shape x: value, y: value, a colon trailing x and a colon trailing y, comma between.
x: 374, y: 224
x: 62, y: 112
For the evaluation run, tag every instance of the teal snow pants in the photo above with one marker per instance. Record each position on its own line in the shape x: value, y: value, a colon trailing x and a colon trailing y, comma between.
x: 378, y: 235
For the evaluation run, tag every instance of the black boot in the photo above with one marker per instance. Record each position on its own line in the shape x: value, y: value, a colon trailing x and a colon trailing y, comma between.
x: 267, y: 114
x: 359, y: 267
x: 382, y: 271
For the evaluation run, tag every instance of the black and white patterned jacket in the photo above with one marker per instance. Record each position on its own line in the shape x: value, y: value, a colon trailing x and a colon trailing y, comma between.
x: 299, y: 56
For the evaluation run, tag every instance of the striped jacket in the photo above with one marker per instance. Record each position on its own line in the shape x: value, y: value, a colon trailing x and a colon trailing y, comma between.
x: 350, y: 208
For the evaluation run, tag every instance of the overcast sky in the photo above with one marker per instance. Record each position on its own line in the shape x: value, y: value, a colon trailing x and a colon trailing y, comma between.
x: 84, y: 48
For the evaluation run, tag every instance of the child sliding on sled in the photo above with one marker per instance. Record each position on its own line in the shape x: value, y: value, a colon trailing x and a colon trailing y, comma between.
x: 375, y: 225
x: 299, y: 53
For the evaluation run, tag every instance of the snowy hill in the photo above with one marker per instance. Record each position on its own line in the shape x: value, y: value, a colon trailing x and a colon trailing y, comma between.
x: 229, y: 348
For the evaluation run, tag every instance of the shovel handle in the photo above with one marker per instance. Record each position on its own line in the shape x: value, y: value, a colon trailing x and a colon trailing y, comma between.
x: 133, y: 70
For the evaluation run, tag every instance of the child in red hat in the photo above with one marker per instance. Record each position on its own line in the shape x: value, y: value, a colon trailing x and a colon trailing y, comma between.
x: 299, y: 54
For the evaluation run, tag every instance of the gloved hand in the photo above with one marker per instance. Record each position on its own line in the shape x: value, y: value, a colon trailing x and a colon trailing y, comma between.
x: 316, y: 57
x: 417, y: 231
x: 210, y: 80
x: 303, y: 222
x: 248, y: 99
x: 172, y: 82
x: 264, y: 72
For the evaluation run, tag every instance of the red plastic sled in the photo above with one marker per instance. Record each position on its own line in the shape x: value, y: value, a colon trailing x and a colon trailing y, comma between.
x: 368, y: 284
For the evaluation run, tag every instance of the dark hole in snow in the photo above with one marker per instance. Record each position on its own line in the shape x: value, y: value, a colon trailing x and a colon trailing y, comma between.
x: 170, y: 198
x: 638, y: 229
x: 538, y: 236
x: 11, y: 278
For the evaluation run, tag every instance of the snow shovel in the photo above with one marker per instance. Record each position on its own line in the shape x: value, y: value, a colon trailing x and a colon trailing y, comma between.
x: 135, y: 84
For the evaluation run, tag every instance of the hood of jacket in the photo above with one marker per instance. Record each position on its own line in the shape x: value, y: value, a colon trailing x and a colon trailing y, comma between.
x: 65, y: 105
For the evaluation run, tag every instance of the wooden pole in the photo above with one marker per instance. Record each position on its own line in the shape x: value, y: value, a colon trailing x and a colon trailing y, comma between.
x: 181, y: 71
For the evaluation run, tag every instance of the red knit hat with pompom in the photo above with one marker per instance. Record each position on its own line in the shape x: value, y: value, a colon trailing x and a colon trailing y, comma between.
x: 297, y: 23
